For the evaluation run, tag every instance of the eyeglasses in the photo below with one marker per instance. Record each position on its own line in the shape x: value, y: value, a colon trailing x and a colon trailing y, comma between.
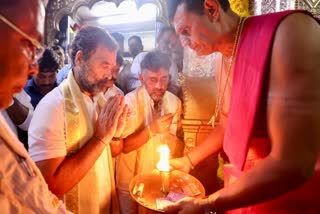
x: 36, y: 48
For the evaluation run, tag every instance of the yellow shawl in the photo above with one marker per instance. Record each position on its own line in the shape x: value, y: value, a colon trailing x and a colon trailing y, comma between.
x: 87, y: 196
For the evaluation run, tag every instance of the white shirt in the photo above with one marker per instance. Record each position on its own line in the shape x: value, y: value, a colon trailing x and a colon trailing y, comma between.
x: 22, y: 189
x: 127, y: 166
x: 47, y: 135
x: 25, y: 100
x: 49, y: 141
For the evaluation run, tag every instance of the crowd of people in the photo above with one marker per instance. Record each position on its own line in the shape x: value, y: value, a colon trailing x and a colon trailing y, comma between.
x: 97, y: 121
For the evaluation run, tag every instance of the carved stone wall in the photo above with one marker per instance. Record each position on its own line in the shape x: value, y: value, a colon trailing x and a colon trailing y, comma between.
x: 56, y: 9
x: 269, y: 6
x: 198, y: 67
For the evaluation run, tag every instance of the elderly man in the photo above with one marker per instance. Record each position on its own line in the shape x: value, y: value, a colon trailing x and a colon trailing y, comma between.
x: 270, y: 130
x: 167, y: 42
x: 72, y: 135
x: 153, y: 118
x: 22, y: 189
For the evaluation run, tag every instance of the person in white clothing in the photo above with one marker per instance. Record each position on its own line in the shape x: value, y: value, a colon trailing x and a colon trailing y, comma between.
x: 22, y: 187
x: 153, y: 119
x: 18, y: 116
x: 73, y: 145
x: 19, y: 113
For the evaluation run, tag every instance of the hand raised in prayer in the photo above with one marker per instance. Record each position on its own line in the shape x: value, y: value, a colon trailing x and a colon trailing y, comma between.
x: 185, y: 206
x: 111, y: 118
x: 122, y: 121
x: 162, y: 124
x: 182, y: 164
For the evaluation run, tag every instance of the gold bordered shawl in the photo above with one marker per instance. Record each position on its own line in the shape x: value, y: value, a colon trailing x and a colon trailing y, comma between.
x: 84, y: 197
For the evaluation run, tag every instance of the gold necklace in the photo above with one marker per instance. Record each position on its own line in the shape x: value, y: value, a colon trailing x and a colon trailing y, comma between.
x: 234, y: 49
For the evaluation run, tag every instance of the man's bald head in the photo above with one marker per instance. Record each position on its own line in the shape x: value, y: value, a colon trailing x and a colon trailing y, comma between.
x: 17, y: 50
x: 15, y: 9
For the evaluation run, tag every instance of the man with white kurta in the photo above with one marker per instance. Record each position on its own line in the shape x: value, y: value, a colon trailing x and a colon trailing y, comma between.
x: 74, y: 129
x: 153, y: 118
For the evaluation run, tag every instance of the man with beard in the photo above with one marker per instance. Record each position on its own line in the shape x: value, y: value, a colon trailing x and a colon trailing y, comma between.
x: 153, y: 119
x: 167, y: 42
x: 45, y: 80
x: 74, y: 130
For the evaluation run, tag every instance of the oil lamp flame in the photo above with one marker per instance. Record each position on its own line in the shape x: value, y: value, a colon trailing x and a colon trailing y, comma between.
x: 164, y: 167
x: 163, y: 164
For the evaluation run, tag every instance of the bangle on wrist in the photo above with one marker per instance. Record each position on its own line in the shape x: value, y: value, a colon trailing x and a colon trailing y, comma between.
x: 116, y: 139
x: 189, y: 159
x: 100, y: 140
x: 151, y: 135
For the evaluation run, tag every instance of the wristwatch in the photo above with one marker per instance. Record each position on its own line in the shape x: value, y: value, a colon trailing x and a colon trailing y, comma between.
x: 117, y: 139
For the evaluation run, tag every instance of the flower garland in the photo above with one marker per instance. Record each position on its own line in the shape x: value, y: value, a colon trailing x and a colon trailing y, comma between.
x: 241, y: 7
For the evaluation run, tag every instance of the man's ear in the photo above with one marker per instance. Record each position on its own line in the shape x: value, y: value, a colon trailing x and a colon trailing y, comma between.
x: 141, y: 78
x: 211, y: 9
x: 79, y: 58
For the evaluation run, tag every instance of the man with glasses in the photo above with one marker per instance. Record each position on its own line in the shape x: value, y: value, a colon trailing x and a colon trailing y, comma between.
x: 22, y: 189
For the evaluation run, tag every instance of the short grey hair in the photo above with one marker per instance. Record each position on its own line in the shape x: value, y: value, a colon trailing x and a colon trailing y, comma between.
x: 155, y: 60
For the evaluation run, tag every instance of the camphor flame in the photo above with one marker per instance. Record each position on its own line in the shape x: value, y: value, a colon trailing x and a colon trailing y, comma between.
x: 163, y: 164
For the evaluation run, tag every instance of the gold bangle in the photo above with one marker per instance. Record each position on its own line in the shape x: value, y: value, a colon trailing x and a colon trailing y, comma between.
x: 189, y: 159
x: 100, y: 140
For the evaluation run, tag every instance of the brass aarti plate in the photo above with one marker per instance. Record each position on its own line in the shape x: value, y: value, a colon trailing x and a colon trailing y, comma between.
x: 147, y: 189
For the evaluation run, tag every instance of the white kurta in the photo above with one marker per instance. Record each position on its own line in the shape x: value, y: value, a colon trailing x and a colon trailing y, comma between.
x: 22, y: 187
x: 144, y: 159
x: 25, y: 100
x: 47, y: 139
